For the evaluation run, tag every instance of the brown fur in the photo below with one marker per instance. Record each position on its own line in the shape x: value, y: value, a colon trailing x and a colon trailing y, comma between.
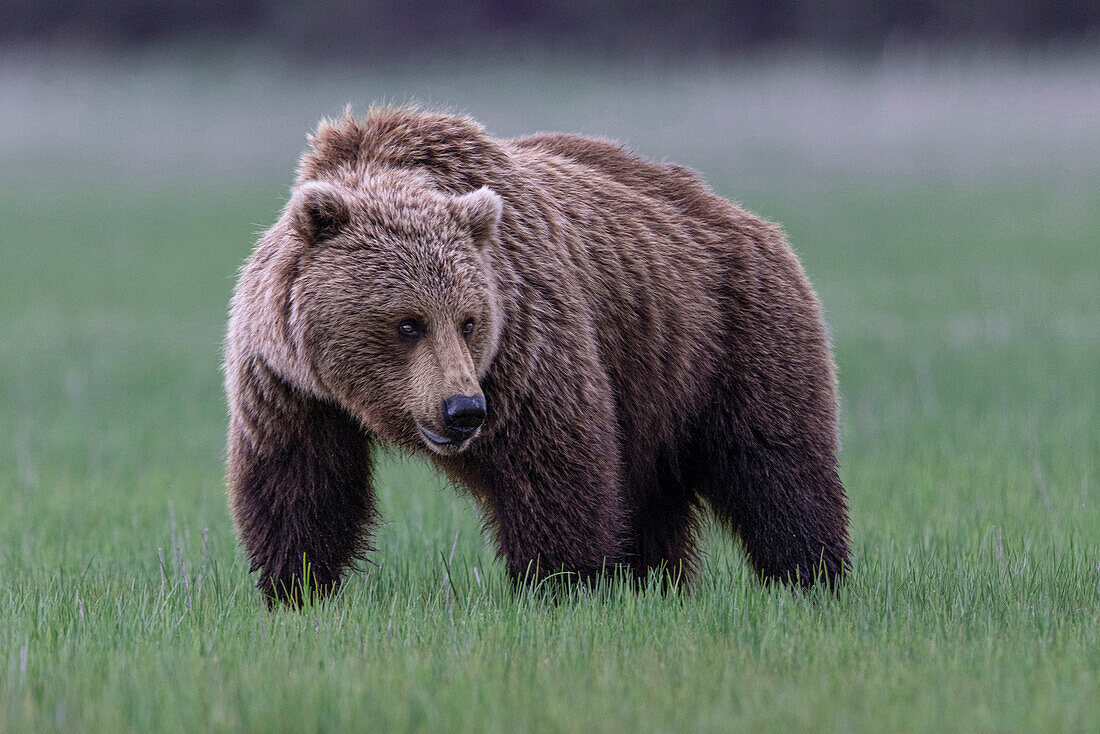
x: 645, y: 348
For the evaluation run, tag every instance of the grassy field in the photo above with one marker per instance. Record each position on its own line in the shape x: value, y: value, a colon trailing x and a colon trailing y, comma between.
x: 966, y: 321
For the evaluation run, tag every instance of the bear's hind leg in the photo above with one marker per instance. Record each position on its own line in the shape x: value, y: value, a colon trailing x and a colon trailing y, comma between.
x: 662, y: 535
x: 787, y: 504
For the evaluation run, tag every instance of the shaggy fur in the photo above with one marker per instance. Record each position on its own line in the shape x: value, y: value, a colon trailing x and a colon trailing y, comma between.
x: 645, y: 348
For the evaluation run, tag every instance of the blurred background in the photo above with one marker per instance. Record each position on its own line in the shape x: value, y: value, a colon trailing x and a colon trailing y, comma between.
x: 650, y: 29
x: 168, y: 88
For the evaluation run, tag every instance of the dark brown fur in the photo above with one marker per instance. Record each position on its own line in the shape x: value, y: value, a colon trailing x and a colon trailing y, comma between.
x: 646, y: 349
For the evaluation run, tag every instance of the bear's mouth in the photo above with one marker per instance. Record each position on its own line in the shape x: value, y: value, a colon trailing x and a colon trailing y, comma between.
x: 444, y: 444
x: 435, y: 437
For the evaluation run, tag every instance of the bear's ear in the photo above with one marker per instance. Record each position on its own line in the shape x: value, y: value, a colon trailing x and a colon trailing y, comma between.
x: 482, y: 210
x: 318, y: 211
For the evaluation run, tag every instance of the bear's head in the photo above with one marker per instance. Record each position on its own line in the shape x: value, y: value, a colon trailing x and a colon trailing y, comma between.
x: 393, y: 303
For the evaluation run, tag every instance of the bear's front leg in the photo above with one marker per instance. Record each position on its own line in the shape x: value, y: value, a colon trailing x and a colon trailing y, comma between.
x: 553, y: 490
x: 299, y: 483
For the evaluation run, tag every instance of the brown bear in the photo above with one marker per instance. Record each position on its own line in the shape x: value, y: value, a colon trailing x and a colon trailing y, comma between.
x: 596, y: 346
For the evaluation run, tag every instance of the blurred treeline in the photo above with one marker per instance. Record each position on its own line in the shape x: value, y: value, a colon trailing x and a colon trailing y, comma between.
x: 650, y: 28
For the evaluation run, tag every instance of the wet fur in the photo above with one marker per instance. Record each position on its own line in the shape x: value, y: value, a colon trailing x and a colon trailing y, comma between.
x: 647, y: 350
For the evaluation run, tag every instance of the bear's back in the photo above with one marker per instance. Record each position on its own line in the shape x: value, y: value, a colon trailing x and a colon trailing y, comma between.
x: 678, y: 186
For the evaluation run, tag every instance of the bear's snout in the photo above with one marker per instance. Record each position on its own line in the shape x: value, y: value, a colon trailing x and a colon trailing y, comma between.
x: 463, y: 414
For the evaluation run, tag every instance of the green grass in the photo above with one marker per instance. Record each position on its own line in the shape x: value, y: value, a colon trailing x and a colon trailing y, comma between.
x: 967, y: 329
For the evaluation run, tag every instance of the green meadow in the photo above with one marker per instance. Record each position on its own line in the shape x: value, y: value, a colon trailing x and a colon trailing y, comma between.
x: 965, y: 313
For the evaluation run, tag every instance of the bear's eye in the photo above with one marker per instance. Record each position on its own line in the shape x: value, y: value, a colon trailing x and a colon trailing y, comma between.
x: 468, y: 327
x: 411, y: 329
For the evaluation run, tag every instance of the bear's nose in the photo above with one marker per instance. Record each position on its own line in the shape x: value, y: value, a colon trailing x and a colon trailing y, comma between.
x: 463, y: 414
